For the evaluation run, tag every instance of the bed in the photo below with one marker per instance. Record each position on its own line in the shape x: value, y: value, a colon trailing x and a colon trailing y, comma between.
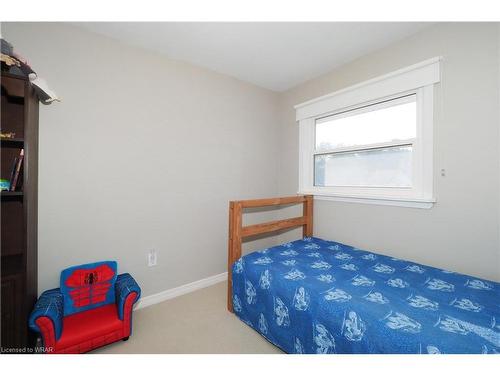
x: 318, y: 296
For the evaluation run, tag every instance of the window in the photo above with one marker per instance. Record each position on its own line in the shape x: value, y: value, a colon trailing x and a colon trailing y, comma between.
x: 373, y: 142
x: 369, y: 146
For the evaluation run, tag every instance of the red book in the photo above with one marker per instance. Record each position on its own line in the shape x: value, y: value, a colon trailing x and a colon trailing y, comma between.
x: 15, y: 179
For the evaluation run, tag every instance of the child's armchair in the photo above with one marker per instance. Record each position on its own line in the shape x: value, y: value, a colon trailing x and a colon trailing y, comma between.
x: 92, y: 308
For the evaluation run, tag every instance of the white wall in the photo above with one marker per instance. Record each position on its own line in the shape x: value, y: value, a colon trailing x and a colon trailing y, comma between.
x: 143, y: 152
x: 461, y: 232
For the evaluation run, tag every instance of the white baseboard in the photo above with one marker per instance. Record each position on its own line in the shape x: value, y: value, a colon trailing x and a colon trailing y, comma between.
x: 179, y: 291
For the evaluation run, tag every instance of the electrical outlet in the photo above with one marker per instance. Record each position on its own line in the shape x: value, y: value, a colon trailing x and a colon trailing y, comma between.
x: 152, y: 258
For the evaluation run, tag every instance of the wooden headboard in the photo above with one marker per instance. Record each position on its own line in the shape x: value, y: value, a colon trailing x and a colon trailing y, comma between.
x: 237, y: 232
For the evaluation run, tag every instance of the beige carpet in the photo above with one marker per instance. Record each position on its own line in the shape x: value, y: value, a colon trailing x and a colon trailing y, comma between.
x: 197, y: 322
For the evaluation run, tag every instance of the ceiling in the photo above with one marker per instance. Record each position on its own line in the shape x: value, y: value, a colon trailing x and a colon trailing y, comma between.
x: 276, y: 55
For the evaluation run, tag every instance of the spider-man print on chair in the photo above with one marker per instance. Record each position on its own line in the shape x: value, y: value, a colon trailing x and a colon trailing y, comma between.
x: 92, y: 308
x: 88, y: 286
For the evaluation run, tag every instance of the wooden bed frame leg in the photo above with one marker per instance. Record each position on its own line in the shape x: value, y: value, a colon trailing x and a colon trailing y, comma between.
x: 307, y: 229
x: 229, y: 259
x: 234, y: 246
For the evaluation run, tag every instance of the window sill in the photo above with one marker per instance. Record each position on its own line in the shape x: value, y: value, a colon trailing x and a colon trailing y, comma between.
x: 384, y: 201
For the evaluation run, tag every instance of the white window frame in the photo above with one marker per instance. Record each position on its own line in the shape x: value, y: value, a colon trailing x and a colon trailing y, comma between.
x: 418, y: 79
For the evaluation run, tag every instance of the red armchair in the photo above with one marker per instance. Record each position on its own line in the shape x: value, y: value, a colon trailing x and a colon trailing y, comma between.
x: 98, y: 311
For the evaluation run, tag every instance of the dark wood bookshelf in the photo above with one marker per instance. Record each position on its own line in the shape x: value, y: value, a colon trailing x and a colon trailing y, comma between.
x: 12, y: 193
x: 19, y: 211
x: 16, y: 141
x: 15, y: 76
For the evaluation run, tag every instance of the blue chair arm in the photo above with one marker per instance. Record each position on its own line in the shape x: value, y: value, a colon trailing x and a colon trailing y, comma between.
x: 125, y: 284
x: 51, y: 305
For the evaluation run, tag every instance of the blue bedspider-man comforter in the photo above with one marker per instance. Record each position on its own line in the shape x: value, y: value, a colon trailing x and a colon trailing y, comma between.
x: 317, y: 296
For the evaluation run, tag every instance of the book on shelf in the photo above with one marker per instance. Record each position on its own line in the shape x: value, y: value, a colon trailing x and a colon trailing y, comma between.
x: 12, y: 172
x: 16, y: 171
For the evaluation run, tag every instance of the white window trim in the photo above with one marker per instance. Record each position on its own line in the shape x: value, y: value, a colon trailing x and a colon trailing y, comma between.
x: 419, y: 79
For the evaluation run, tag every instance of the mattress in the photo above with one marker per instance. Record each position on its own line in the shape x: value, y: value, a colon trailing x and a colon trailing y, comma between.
x: 317, y: 296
